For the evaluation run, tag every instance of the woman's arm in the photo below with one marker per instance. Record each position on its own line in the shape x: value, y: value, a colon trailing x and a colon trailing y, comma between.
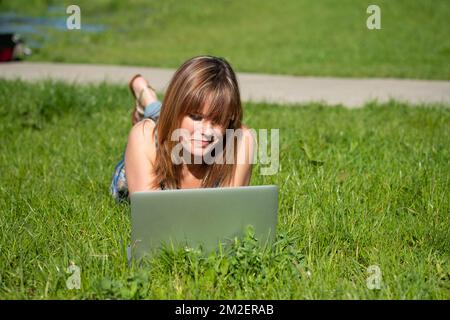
x: 139, y: 157
x: 245, y: 152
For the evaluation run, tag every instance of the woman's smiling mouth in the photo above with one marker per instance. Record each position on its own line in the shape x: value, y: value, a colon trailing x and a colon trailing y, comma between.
x: 202, y: 142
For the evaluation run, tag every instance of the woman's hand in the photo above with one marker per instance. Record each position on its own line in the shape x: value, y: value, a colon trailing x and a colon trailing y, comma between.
x: 244, y: 164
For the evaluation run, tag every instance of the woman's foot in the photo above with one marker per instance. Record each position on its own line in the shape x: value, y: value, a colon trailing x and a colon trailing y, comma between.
x: 144, y: 95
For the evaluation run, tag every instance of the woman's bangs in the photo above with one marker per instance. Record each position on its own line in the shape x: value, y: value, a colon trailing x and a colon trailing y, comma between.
x: 192, y: 104
x: 217, y: 105
x: 221, y: 108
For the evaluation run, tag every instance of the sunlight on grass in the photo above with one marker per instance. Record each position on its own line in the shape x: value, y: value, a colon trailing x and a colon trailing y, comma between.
x: 358, y: 188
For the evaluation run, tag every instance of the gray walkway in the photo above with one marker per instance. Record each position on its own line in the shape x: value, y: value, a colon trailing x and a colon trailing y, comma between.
x: 254, y: 87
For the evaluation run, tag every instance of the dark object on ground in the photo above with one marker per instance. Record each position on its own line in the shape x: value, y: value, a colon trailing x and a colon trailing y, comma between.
x: 12, y: 47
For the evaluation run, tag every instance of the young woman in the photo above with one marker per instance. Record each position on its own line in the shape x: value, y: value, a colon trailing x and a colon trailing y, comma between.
x: 202, y: 102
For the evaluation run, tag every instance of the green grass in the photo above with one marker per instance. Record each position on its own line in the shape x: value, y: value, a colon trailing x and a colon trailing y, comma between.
x: 299, y: 37
x: 358, y: 187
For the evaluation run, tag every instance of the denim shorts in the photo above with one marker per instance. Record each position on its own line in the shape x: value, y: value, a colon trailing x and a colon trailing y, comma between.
x: 119, y: 187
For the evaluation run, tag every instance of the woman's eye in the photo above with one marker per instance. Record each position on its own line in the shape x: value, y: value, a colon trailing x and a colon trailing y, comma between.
x: 196, y: 117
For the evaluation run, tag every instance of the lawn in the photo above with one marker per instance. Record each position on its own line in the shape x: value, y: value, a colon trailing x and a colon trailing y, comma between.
x: 358, y: 188
x: 298, y: 37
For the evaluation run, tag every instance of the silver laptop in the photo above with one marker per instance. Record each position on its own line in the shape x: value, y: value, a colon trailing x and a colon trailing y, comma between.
x: 204, y: 217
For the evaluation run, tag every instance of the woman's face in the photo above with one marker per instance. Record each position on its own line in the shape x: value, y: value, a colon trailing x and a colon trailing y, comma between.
x: 201, y: 134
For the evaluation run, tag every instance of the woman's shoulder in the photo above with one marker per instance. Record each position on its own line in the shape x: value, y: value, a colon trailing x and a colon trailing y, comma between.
x: 142, y: 138
x: 245, y: 129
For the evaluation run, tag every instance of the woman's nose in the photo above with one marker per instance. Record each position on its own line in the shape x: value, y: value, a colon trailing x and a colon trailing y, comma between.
x: 207, y: 124
x: 207, y: 128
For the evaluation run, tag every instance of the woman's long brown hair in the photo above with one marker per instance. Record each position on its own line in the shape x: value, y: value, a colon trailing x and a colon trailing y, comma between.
x: 199, y: 81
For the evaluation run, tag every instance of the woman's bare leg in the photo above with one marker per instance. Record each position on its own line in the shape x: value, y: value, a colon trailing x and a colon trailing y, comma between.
x: 148, y: 95
x: 145, y: 96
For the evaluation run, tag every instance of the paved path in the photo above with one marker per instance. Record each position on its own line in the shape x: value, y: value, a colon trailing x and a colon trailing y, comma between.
x: 350, y: 92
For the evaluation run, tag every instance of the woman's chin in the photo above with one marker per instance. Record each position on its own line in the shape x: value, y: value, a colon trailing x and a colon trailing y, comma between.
x: 200, y: 151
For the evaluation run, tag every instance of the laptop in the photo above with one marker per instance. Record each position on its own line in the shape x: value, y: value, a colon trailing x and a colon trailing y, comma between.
x: 206, y: 217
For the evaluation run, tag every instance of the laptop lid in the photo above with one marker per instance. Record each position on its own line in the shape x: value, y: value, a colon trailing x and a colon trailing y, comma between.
x: 206, y: 217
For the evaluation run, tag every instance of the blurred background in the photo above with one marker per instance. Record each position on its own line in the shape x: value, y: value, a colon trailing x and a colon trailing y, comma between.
x: 297, y: 37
